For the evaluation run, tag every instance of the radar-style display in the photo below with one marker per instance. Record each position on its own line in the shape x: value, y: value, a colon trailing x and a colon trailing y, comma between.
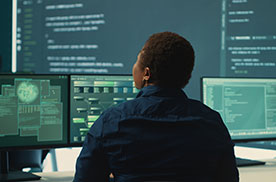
x: 27, y: 92
x: 91, y: 95
x: 33, y: 110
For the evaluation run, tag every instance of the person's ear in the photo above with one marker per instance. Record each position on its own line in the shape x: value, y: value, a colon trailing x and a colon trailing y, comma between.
x: 147, y: 74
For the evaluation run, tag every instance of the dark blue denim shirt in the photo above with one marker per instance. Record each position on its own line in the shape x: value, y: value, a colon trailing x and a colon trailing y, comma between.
x: 160, y: 135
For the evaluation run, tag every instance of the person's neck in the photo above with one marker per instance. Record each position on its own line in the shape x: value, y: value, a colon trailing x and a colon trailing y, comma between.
x: 149, y: 84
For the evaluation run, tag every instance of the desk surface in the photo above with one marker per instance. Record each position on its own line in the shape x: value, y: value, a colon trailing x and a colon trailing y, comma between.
x: 55, y: 177
x: 265, y: 173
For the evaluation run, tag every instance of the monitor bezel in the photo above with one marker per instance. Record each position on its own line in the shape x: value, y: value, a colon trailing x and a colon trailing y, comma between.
x: 41, y: 146
x: 223, y: 77
x: 80, y: 144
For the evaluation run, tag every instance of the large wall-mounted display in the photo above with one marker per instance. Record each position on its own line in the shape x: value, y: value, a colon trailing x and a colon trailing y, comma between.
x: 230, y: 37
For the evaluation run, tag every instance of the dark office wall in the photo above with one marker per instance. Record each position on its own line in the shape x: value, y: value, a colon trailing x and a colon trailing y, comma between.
x: 5, y: 35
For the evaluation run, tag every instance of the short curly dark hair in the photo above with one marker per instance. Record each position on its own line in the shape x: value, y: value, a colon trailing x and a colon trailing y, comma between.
x: 170, y: 58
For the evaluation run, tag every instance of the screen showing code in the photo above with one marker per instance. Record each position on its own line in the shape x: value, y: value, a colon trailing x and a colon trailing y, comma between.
x: 247, y: 105
x: 231, y: 37
x: 249, y: 39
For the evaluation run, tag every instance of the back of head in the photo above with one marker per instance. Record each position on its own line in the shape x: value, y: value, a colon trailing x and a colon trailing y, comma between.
x: 170, y: 58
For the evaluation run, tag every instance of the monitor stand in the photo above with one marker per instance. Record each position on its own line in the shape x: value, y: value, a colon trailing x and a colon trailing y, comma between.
x: 6, y: 175
x: 240, y: 162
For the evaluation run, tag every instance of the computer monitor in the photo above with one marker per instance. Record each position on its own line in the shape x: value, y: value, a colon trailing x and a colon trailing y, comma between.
x: 246, y: 105
x: 33, y: 114
x: 91, y: 95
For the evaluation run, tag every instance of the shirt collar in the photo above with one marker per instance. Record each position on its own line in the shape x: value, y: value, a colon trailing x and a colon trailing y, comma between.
x: 152, y: 90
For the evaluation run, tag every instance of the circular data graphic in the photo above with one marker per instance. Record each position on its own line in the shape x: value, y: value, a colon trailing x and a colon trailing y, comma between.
x: 27, y: 92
